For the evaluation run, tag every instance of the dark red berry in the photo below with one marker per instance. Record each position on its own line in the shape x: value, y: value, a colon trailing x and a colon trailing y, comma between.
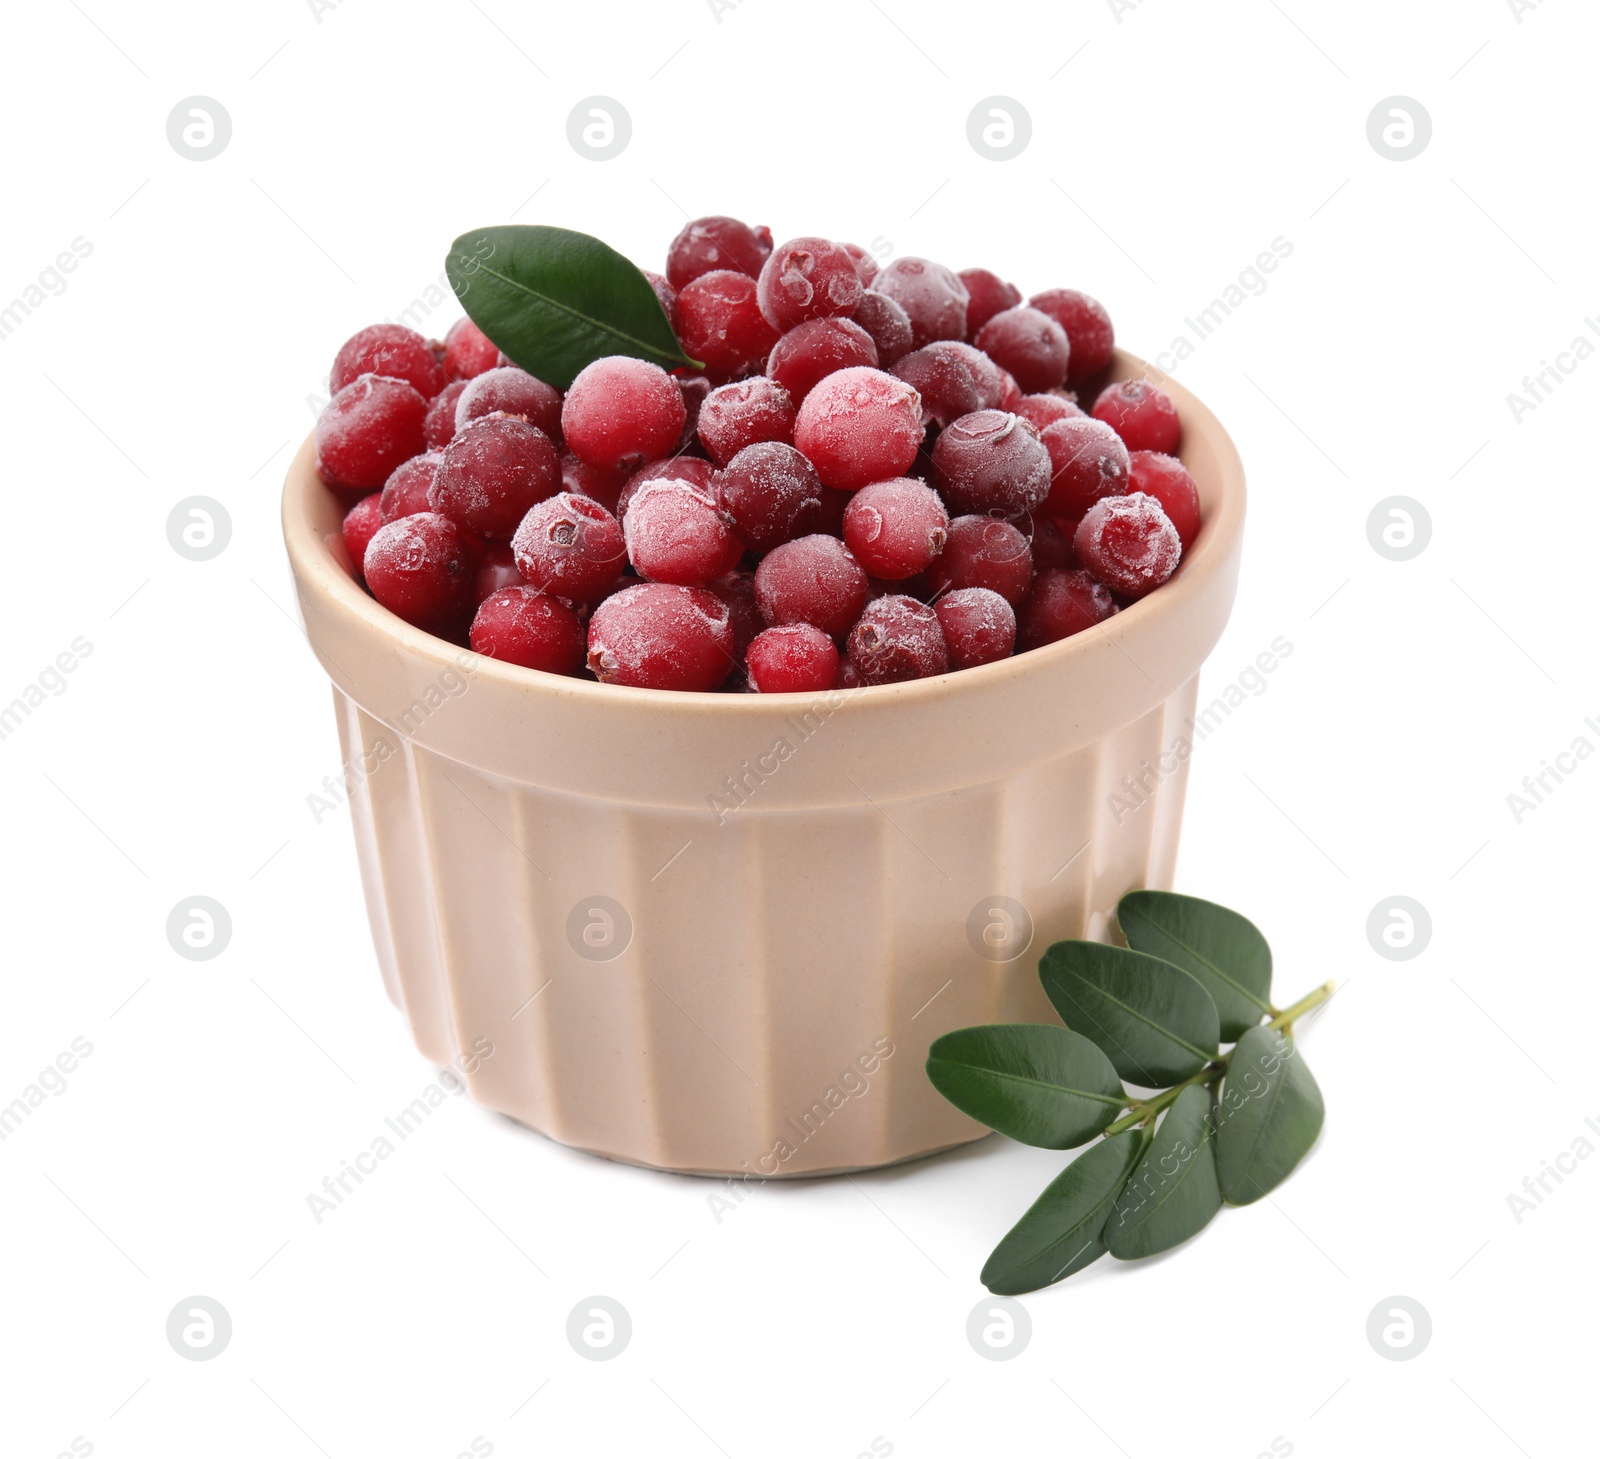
x: 661, y: 636
x: 1088, y: 461
x: 887, y: 323
x: 816, y: 348
x: 720, y: 325
x: 522, y: 625
x: 934, y: 298
x: 772, y: 493
x: 794, y: 659
x: 696, y: 390
x: 894, y: 529
x: 812, y: 580
x: 987, y: 295
x: 515, y: 392
x: 1045, y: 410
x: 1062, y: 602
x: 1051, y: 547
x: 741, y: 414
x: 1090, y: 338
x: 622, y: 412
x: 601, y: 486
x: 738, y: 590
x: 360, y: 523
x: 866, y: 264
x: 1129, y: 544
x: 953, y: 378
x: 440, y: 422
x: 982, y: 552
x: 570, y: 546
x: 1010, y: 392
x: 677, y: 533
x: 367, y: 429
x: 497, y: 568
x: 420, y: 567
x: 388, y: 349
x: 494, y: 470
x: 1165, y: 478
x: 895, y: 639
x: 716, y: 243
x: 405, y: 493
x: 468, y: 351
x: 1142, y: 414
x: 807, y: 278
x: 991, y: 462
x: 979, y: 627
x: 1028, y: 343
x: 859, y: 425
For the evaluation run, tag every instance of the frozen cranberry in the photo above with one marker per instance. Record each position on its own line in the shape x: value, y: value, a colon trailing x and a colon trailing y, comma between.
x: 987, y: 295
x: 1045, y: 410
x: 666, y: 295
x: 720, y: 325
x: 360, y: 522
x: 817, y: 348
x: 979, y: 627
x: 1028, y: 343
x: 772, y: 493
x: 621, y: 412
x: 1090, y: 338
x: 570, y: 546
x: 895, y: 528
x: 367, y: 429
x: 895, y: 639
x: 1010, y: 392
x: 887, y: 323
x: 1129, y: 544
x: 1164, y: 478
x: 392, y: 350
x: 738, y: 591
x: 807, y: 278
x: 420, y: 567
x: 661, y: 636
x: 405, y: 493
x: 716, y: 243
x: 1142, y: 414
x: 440, y: 422
x: 859, y: 425
x: 515, y: 392
x: 794, y: 659
x: 468, y: 351
x: 740, y: 414
x: 678, y: 534
x: 690, y: 469
x: 953, y: 378
x: 522, y: 625
x: 1051, y: 545
x: 601, y: 486
x: 1087, y: 461
x: 492, y: 472
x: 982, y: 552
x: 497, y: 568
x: 811, y: 580
x: 933, y: 297
x: 991, y: 461
x: 1061, y: 603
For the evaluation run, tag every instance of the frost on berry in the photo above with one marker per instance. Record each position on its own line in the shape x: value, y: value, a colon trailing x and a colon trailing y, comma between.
x: 934, y: 298
x: 522, y: 625
x: 406, y: 491
x: 392, y: 350
x: 1142, y: 414
x: 721, y: 325
x: 887, y: 323
x: 794, y: 659
x: 812, y: 580
x: 358, y: 527
x: 895, y: 528
x: 979, y: 626
x: 516, y: 392
x: 1046, y: 409
x: 1087, y: 461
x: 716, y: 242
x: 492, y: 472
x: 420, y: 568
x: 860, y: 425
x: 677, y: 533
x: 1062, y: 602
x: 991, y: 462
x: 772, y: 493
x: 1129, y: 544
x: 1028, y: 343
x: 809, y: 351
x: 1165, y: 478
x: 895, y: 639
x: 440, y: 422
x: 367, y: 429
x: 468, y: 351
x: 953, y: 379
x: 621, y: 412
x: 807, y: 278
x: 570, y: 546
x: 987, y: 295
x: 661, y: 636
x: 742, y: 413
x: 982, y: 552
x: 1090, y: 337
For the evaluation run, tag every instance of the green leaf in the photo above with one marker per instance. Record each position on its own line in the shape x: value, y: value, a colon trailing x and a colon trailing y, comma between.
x: 1174, y: 1192
x: 1222, y: 951
x: 1060, y: 1232
x: 1268, y: 1116
x: 1035, y: 1082
x: 1156, y: 1023
x: 555, y: 300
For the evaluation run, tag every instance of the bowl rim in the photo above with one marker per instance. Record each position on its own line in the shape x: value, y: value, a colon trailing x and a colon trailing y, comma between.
x: 317, y: 569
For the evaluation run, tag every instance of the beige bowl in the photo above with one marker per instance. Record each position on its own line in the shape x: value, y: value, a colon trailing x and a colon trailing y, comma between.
x: 716, y: 932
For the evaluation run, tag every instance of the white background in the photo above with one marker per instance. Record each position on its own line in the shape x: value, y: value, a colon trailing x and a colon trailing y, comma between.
x: 1170, y: 146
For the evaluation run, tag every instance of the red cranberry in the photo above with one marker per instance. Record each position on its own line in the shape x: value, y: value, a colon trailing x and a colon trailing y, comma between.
x: 515, y: 392
x: 772, y: 493
x: 991, y: 461
x: 887, y: 323
x: 743, y: 413
x: 953, y: 379
x: 367, y: 429
x: 666, y: 295
x: 689, y: 469
x: 497, y: 568
x: 1010, y: 392
x: 1090, y: 338
x: 1061, y: 603
x: 492, y: 472
x: 859, y: 425
x: 982, y: 552
x: 360, y: 523
x: 866, y: 264
x: 678, y: 534
x: 420, y: 568
x: 570, y: 546
x: 1045, y: 410
x: 1164, y: 478
x: 895, y: 528
x: 1129, y: 544
x: 621, y: 412
x: 817, y: 348
x: 1142, y: 414
x: 1028, y: 343
x: 716, y: 243
x: 979, y: 627
x: 807, y: 278
x: 601, y: 486
x: 720, y: 325
x: 794, y: 659
x: 933, y: 297
x: 392, y: 350
x: 661, y: 636
x: 528, y: 627
x: 468, y: 351
x: 1088, y: 461
x: 405, y: 493
x: 895, y: 639
x: 811, y: 580
x: 1051, y: 545
x: 987, y: 295
x: 440, y: 422
x: 738, y: 590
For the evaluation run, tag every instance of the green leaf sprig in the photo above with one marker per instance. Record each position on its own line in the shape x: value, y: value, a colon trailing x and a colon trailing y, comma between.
x: 1222, y: 1125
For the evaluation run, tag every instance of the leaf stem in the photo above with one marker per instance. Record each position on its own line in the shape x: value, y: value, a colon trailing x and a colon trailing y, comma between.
x: 1312, y: 999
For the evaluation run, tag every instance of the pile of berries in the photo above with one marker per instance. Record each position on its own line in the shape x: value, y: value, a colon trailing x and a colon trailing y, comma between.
x: 879, y: 474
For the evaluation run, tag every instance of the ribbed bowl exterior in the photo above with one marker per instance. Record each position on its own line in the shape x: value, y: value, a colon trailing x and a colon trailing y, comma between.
x: 716, y: 933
